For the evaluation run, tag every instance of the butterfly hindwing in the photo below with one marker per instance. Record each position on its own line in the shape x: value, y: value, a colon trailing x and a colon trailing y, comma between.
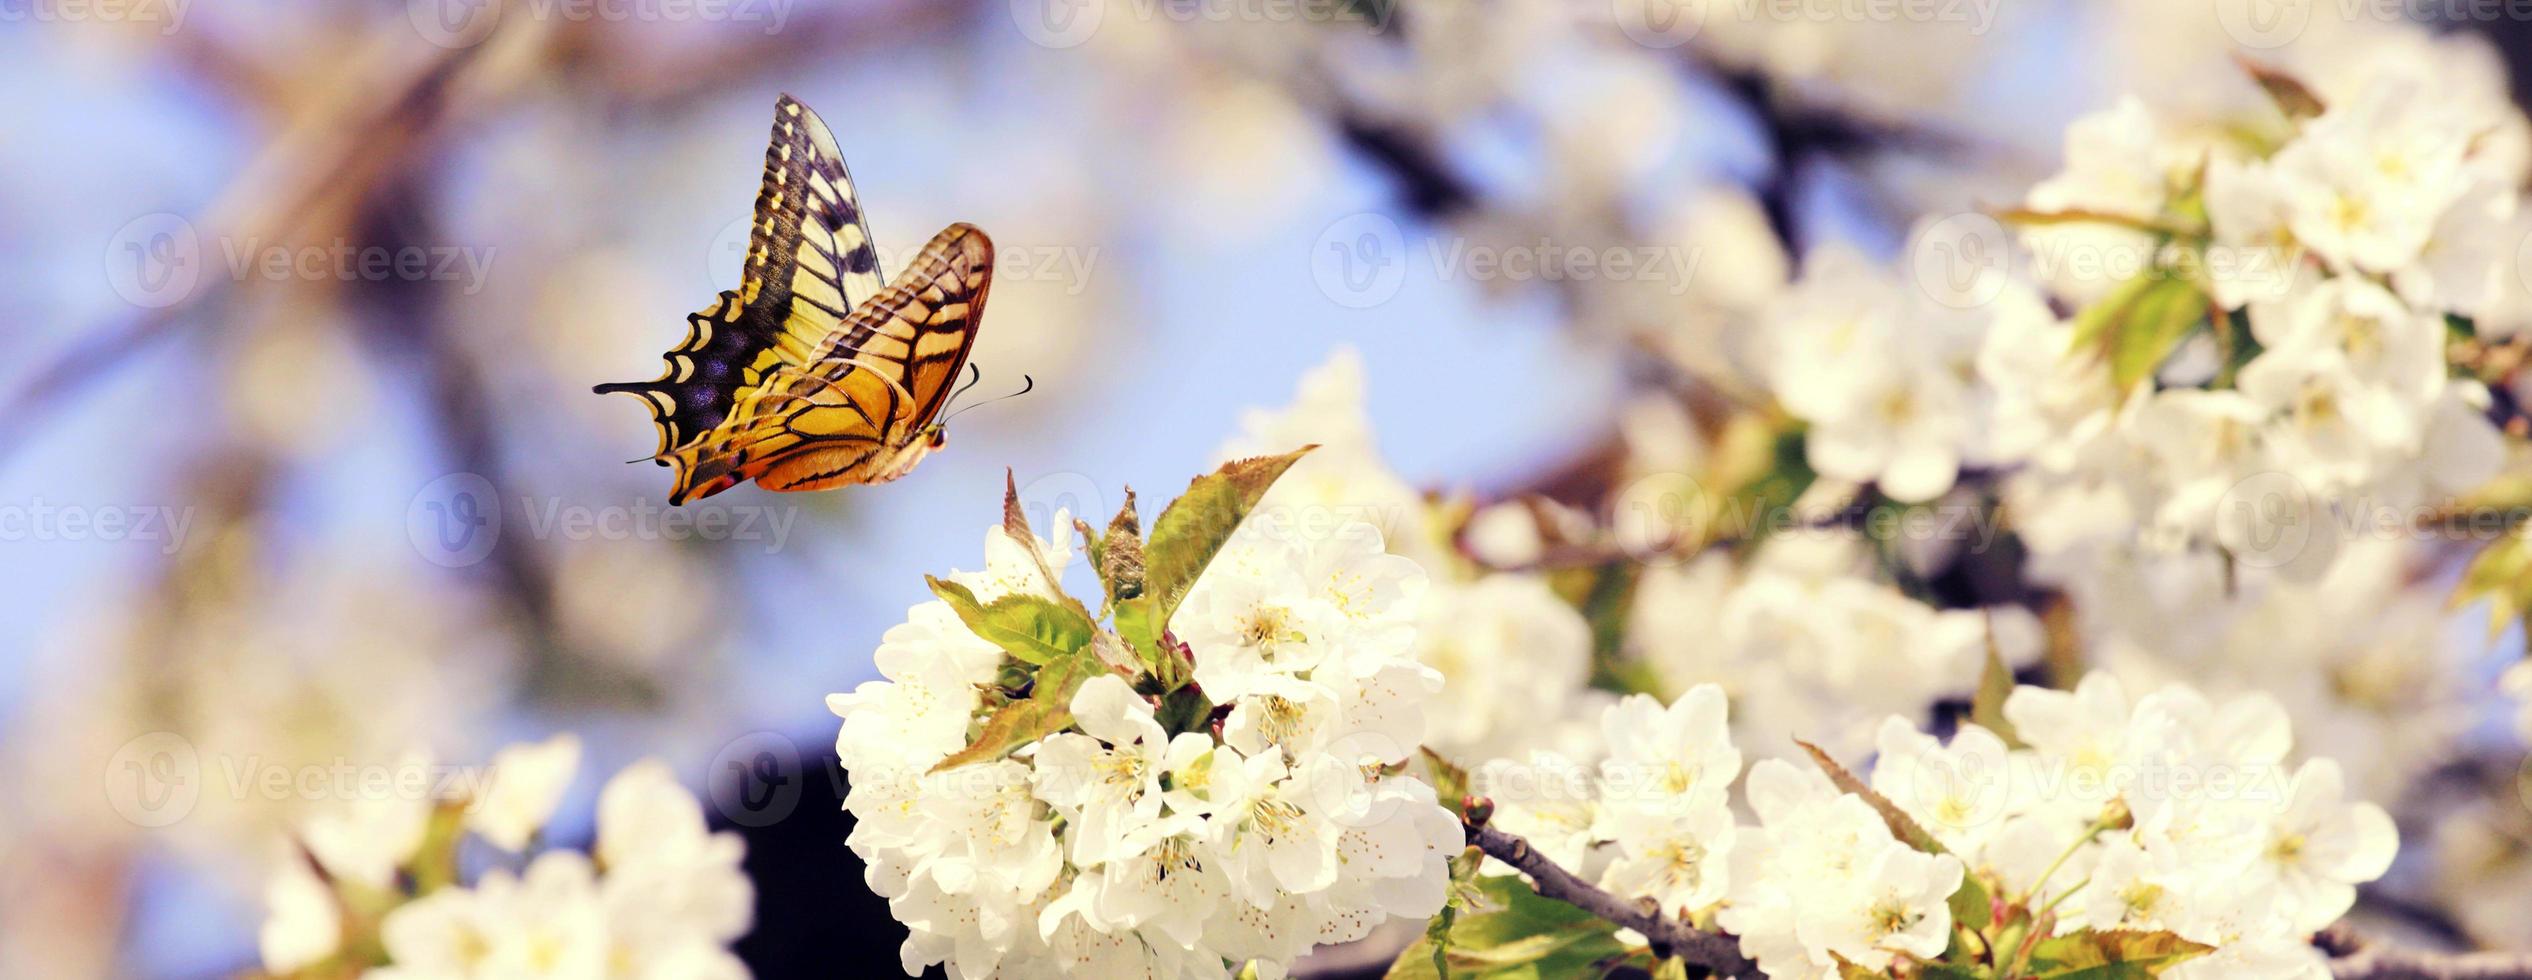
x: 855, y: 412
x: 810, y: 261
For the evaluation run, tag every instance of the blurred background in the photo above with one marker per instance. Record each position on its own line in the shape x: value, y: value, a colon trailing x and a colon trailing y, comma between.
x: 299, y: 466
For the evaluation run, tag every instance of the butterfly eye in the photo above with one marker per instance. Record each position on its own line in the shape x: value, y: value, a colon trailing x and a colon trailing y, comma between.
x: 940, y: 437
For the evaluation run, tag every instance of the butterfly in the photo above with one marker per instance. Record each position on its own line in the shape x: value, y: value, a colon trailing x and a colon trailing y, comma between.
x: 813, y: 374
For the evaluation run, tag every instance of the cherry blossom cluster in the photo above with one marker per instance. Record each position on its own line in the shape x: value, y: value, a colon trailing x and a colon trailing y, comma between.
x: 1810, y: 643
x: 374, y: 891
x: 1901, y: 383
x: 1140, y: 837
x: 2082, y: 817
x: 2339, y: 250
x: 1517, y: 656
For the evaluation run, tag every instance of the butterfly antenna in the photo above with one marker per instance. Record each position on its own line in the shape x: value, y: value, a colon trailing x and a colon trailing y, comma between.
x: 975, y: 374
x: 1028, y: 384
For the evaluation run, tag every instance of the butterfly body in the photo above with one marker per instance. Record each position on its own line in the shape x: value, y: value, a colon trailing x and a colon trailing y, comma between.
x: 812, y: 374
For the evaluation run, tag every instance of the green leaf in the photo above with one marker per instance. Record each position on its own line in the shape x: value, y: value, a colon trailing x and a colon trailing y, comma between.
x: 1057, y: 681
x: 1515, y: 933
x: 1902, y: 826
x: 1995, y: 684
x: 1449, y: 781
x: 2502, y: 574
x: 1785, y: 481
x: 1437, y: 936
x: 1032, y: 628
x: 1185, y: 709
x: 1194, y: 527
x: 2117, y: 955
x: 1673, y: 968
x: 1016, y: 724
x: 2028, y: 218
x: 1138, y: 625
x: 1973, y: 906
x: 1850, y: 970
x: 2139, y: 324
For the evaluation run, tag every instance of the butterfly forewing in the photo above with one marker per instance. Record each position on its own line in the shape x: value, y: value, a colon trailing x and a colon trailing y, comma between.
x: 809, y: 262
x: 862, y: 398
x: 810, y: 256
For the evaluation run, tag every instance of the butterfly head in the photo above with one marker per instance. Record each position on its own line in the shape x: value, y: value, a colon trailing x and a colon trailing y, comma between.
x: 902, y: 459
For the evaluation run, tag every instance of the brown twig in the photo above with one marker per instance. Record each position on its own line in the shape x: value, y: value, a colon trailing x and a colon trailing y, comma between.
x: 2353, y: 958
x: 1718, y: 954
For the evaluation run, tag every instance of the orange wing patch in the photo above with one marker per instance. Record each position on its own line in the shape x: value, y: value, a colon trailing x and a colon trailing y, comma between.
x: 859, y: 411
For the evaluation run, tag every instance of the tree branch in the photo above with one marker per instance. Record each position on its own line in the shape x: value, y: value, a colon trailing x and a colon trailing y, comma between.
x: 1718, y: 954
x: 2353, y: 958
